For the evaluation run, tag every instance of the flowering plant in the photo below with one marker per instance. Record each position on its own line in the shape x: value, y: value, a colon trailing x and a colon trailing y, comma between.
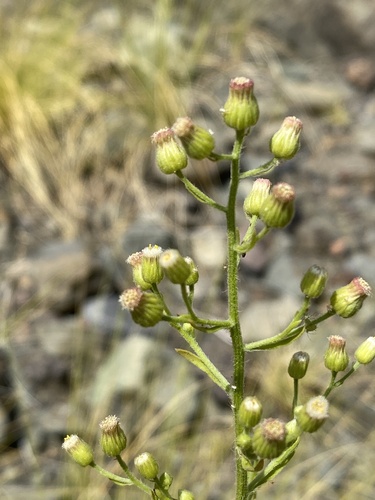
x: 263, y: 446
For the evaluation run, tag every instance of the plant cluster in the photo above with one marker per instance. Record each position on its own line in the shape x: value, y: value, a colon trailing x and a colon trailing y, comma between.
x: 263, y: 446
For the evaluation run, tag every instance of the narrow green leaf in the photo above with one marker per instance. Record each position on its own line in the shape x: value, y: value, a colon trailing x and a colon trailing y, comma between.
x: 197, y: 361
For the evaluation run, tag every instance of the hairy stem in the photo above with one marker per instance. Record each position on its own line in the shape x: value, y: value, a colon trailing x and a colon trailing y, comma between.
x: 235, y: 330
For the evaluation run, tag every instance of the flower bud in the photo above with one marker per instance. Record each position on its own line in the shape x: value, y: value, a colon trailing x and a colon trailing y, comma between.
x: 145, y: 308
x: 166, y: 480
x: 336, y: 358
x: 194, y: 273
x: 278, y: 208
x: 174, y: 266
x: 348, y: 300
x: 313, y: 414
x: 285, y: 142
x: 255, y: 199
x: 135, y: 260
x: 365, y: 353
x: 113, y: 439
x: 244, y: 442
x: 79, y: 450
x: 314, y: 281
x: 185, y: 495
x: 170, y: 156
x: 250, y: 412
x: 197, y: 141
x: 293, y: 431
x: 147, y: 466
x: 298, y: 364
x: 241, y: 109
x: 269, y: 439
x: 151, y: 270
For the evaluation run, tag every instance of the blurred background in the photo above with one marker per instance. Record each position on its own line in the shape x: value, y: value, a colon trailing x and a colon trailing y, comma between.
x: 83, y: 85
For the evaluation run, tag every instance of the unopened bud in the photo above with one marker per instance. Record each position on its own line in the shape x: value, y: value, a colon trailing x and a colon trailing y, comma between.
x: 293, y: 431
x: 170, y: 156
x: 174, y: 266
x: 166, y: 480
x: 250, y: 412
x: 348, y: 300
x: 194, y: 273
x: 298, y: 364
x: 278, y: 208
x: 285, y: 142
x: 145, y: 308
x: 244, y: 442
x: 314, y: 281
x: 255, y: 199
x: 151, y: 269
x: 135, y: 260
x: 241, y: 109
x: 79, y: 450
x: 365, y: 353
x: 112, y: 439
x: 311, y: 416
x: 147, y: 466
x: 197, y: 141
x: 269, y: 439
x: 336, y: 358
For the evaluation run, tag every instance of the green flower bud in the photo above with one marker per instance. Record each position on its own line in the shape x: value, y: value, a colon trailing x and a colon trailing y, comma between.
x: 170, y: 156
x: 314, y: 281
x: 293, y: 431
x: 269, y: 439
x: 278, y: 208
x: 244, y: 442
x: 151, y: 269
x: 185, y: 495
x: 145, y: 308
x: 250, y: 412
x: 241, y: 109
x: 147, y: 466
x: 174, y: 266
x: 348, y: 300
x: 135, y: 260
x: 113, y: 439
x: 79, y: 450
x: 166, y: 480
x: 365, y: 353
x: 313, y: 414
x: 194, y: 273
x: 255, y: 199
x: 336, y: 358
x: 285, y: 142
x: 197, y: 141
x: 298, y: 364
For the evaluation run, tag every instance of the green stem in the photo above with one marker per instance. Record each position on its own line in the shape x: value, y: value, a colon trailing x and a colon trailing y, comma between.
x: 197, y: 322
x: 187, y: 301
x: 233, y: 309
x: 131, y: 476
x: 337, y: 383
x: 217, y: 157
x: 291, y: 332
x: 263, y: 169
x: 112, y: 477
x: 198, y: 194
x: 295, y: 395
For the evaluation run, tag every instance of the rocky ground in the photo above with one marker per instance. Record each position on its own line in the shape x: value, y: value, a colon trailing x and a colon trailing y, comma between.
x: 70, y: 355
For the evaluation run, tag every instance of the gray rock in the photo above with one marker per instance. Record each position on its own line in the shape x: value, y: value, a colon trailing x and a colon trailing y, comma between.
x: 103, y: 313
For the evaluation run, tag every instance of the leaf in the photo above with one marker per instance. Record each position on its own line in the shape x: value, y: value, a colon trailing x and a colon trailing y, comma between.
x: 197, y: 361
